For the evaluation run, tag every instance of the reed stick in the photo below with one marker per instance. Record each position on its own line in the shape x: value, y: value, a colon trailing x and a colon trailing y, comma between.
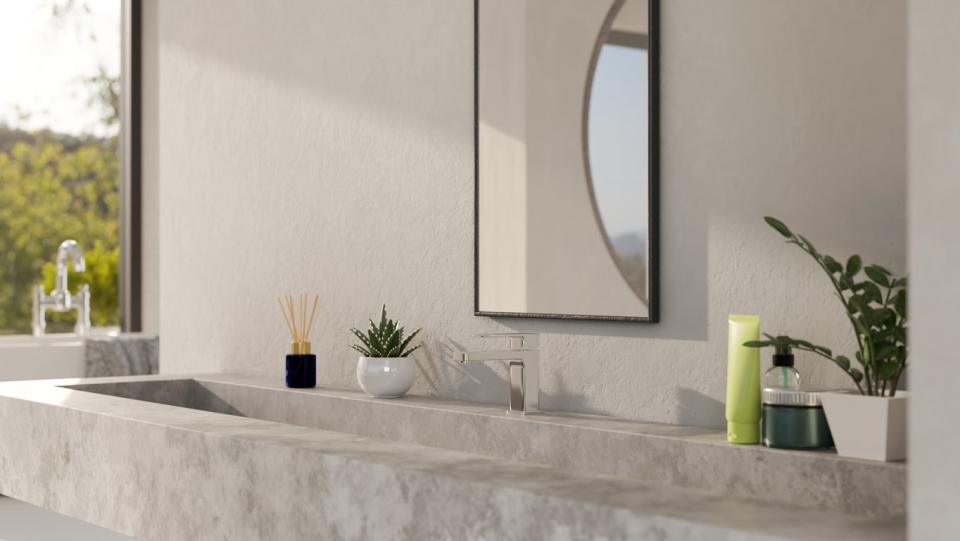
x: 313, y: 312
x: 293, y: 317
x: 303, y: 316
x: 295, y: 314
x: 286, y: 318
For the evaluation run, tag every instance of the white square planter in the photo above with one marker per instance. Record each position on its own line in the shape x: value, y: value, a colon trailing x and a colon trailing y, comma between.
x: 868, y: 427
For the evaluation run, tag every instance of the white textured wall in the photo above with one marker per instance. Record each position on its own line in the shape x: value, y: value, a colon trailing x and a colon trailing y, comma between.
x: 328, y: 145
x: 934, y: 189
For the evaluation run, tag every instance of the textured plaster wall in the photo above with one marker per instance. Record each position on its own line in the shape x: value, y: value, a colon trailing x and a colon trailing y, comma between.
x: 328, y: 146
x: 934, y: 187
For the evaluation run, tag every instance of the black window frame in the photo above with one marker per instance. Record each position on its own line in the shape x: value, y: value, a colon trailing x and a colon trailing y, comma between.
x: 130, y: 182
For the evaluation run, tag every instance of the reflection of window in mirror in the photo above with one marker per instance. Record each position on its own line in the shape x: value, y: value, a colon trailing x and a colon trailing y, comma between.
x: 566, y: 200
x: 617, y: 142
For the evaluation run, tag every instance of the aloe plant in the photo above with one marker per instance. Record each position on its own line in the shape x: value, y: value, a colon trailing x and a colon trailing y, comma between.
x: 385, y: 339
x: 877, y: 309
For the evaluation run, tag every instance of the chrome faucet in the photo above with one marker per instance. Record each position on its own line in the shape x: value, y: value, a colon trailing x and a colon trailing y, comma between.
x: 60, y: 299
x: 523, y: 361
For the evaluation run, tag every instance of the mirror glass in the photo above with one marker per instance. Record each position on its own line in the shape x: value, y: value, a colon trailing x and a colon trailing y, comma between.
x: 565, y: 113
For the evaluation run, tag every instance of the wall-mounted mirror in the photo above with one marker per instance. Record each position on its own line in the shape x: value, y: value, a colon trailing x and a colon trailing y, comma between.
x: 566, y: 170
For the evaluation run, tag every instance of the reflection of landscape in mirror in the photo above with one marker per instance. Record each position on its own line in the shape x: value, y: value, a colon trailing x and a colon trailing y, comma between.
x: 59, y: 164
x: 617, y: 137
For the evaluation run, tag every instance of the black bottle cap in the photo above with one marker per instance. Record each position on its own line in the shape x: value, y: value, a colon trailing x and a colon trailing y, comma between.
x: 783, y: 356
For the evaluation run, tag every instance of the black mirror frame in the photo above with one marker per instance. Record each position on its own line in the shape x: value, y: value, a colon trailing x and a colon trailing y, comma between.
x: 653, y: 181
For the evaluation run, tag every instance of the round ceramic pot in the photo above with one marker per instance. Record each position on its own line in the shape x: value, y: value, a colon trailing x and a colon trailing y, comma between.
x: 386, y: 377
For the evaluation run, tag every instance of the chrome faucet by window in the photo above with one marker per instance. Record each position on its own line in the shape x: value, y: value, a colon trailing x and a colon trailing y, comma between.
x: 60, y: 299
x: 523, y: 362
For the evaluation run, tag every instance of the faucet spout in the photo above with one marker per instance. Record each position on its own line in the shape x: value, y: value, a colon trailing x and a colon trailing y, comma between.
x: 68, y: 249
x: 523, y: 361
x: 60, y: 299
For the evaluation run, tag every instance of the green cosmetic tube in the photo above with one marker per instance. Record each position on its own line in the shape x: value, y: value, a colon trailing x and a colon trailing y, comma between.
x: 743, y: 381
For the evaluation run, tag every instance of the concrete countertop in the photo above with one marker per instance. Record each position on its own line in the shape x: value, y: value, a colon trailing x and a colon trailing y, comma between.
x: 158, y: 471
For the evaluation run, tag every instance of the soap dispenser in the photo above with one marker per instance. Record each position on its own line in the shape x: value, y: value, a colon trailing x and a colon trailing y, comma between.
x: 782, y: 374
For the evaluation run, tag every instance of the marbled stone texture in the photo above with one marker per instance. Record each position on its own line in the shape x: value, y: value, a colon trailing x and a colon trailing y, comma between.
x: 124, y: 355
x: 157, y: 471
x: 666, y: 455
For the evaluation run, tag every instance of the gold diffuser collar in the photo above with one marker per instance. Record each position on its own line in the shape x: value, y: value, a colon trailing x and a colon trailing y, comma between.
x: 300, y: 348
x: 298, y: 322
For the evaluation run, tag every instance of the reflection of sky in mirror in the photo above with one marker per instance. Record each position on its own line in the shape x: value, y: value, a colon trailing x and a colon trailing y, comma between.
x: 617, y: 138
x: 44, y: 60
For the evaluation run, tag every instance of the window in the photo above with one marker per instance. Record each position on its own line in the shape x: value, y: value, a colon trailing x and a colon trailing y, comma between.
x: 63, y: 129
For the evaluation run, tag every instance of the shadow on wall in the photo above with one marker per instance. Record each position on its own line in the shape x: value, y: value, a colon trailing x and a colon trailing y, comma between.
x: 445, y: 376
x: 698, y: 409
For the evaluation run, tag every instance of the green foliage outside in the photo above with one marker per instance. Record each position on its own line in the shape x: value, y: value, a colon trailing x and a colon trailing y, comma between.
x: 55, y: 187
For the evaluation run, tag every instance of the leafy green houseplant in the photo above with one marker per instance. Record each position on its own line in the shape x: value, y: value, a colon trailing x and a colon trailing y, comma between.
x: 876, y: 306
x: 385, y: 369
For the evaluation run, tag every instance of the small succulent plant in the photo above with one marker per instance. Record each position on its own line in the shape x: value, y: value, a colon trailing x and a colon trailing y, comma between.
x: 385, y: 339
x: 877, y: 309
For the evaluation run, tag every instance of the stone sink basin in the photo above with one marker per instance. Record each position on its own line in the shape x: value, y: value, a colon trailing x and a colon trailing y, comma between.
x: 239, y: 457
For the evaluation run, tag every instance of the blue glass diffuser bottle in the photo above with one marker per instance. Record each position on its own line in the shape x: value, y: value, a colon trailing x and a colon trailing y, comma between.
x: 301, y: 369
x: 301, y: 366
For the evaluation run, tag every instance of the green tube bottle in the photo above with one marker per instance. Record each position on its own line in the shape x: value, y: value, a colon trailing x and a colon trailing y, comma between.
x: 743, y: 381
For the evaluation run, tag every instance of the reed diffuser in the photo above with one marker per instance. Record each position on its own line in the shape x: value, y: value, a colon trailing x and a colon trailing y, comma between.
x: 301, y: 364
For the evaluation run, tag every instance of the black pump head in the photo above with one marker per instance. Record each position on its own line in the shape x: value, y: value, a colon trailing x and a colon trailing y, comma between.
x: 783, y: 356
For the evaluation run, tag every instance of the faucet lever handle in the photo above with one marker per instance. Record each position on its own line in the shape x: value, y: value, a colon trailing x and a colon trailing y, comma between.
x: 518, y: 340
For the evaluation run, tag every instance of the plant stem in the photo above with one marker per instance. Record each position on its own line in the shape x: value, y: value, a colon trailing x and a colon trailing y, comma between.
x: 843, y: 301
x: 896, y: 380
x: 825, y: 356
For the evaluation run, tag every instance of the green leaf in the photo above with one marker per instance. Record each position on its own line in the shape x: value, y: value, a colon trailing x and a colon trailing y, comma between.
x: 854, y: 264
x: 856, y: 375
x: 363, y: 351
x: 846, y: 282
x: 832, y: 264
x: 901, y: 334
x: 871, y: 293
x: 886, y: 335
x: 406, y: 342
x: 885, y: 351
x: 877, y: 274
x: 757, y: 343
x: 778, y: 225
x: 900, y: 303
x: 361, y: 337
x: 888, y: 371
x: 809, y: 245
x: 857, y: 303
x: 843, y: 362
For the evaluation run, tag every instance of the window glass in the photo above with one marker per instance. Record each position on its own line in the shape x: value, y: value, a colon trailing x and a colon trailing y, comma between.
x: 59, y: 153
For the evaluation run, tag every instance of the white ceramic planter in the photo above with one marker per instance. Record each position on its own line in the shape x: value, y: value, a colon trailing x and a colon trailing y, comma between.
x: 868, y: 427
x: 386, y: 377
